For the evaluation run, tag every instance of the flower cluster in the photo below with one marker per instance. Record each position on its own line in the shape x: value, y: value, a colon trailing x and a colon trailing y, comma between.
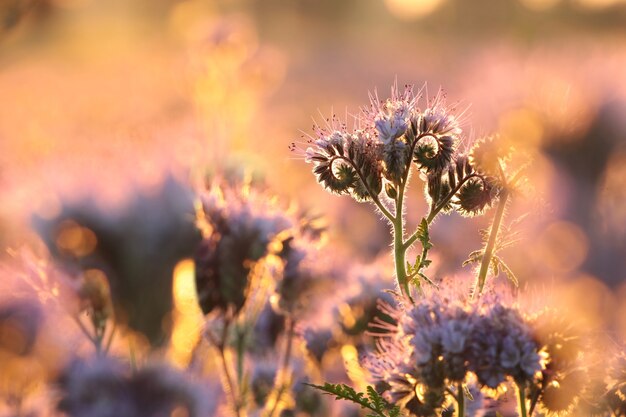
x: 440, y: 343
x: 390, y: 134
x: 124, y: 257
x: 238, y: 228
x: 104, y: 388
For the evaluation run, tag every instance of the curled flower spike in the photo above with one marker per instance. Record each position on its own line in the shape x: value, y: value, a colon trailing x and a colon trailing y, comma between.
x: 376, y: 155
x: 476, y: 194
x: 440, y: 131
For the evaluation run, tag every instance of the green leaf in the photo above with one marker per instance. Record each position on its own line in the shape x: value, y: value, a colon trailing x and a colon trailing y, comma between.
x: 373, y: 401
x: 425, y: 278
x: 474, y: 257
x: 495, y: 270
x: 422, y: 234
x: 507, y: 271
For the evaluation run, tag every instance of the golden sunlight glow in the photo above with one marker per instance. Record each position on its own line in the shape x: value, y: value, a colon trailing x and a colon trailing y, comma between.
x: 591, y: 300
x: 599, y: 4
x: 539, y: 5
x: 521, y: 128
x: 412, y: 9
x: 188, y: 317
x: 356, y: 373
x: 564, y: 246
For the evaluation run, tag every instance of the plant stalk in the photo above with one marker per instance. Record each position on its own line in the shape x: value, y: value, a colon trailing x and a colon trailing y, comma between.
x: 399, y: 248
x: 399, y: 252
x: 491, y: 243
x: 522, y: 400
x: 460, y: 400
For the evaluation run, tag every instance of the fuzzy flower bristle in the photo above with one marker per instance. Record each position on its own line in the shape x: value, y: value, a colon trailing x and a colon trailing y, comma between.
x: 387, y: 137
x: 442, y: 341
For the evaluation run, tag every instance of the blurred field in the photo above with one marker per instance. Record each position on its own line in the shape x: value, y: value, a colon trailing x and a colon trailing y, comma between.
x: 98, y: 97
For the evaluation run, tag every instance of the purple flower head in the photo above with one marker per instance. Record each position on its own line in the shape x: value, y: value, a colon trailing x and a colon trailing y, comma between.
x: 391, y: 118
x: 238, y: 224
x: 443, y: 340
x: 107, y: 388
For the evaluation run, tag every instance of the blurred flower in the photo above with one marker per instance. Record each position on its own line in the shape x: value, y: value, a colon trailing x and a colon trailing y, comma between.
x: 268, y: 327
x: 262, y: 382
x: 135, y: 247
x: 107, y: 388
x: 238, y: 226
x: 306, y: 285
x: 318, y: 342
x: 564, y: 380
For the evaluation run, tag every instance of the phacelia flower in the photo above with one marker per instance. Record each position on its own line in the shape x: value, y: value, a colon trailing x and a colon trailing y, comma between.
x: 441, y: 342
x: 107, y: 388
x: 238, y: 228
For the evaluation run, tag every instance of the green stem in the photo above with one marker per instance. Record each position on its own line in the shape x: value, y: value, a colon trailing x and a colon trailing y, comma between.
x: 460, y: 400
x: 399, y: 249
x: 521, y: 389
x: 399, y: 252
x: 491, y: 243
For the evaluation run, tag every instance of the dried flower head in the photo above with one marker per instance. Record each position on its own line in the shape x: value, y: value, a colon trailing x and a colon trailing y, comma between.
x: 306, y: 285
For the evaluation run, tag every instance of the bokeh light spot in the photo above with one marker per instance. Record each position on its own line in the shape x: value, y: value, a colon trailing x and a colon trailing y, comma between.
x: 412, y: 9
x: 75, y: 240
x: 563, y: 246
x: 187, y: 316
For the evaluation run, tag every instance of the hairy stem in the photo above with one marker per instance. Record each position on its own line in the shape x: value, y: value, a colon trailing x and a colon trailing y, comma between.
x: 399, y: 249
x: 491, y: 243
x: 399, y: 252
x: 240, y: 355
